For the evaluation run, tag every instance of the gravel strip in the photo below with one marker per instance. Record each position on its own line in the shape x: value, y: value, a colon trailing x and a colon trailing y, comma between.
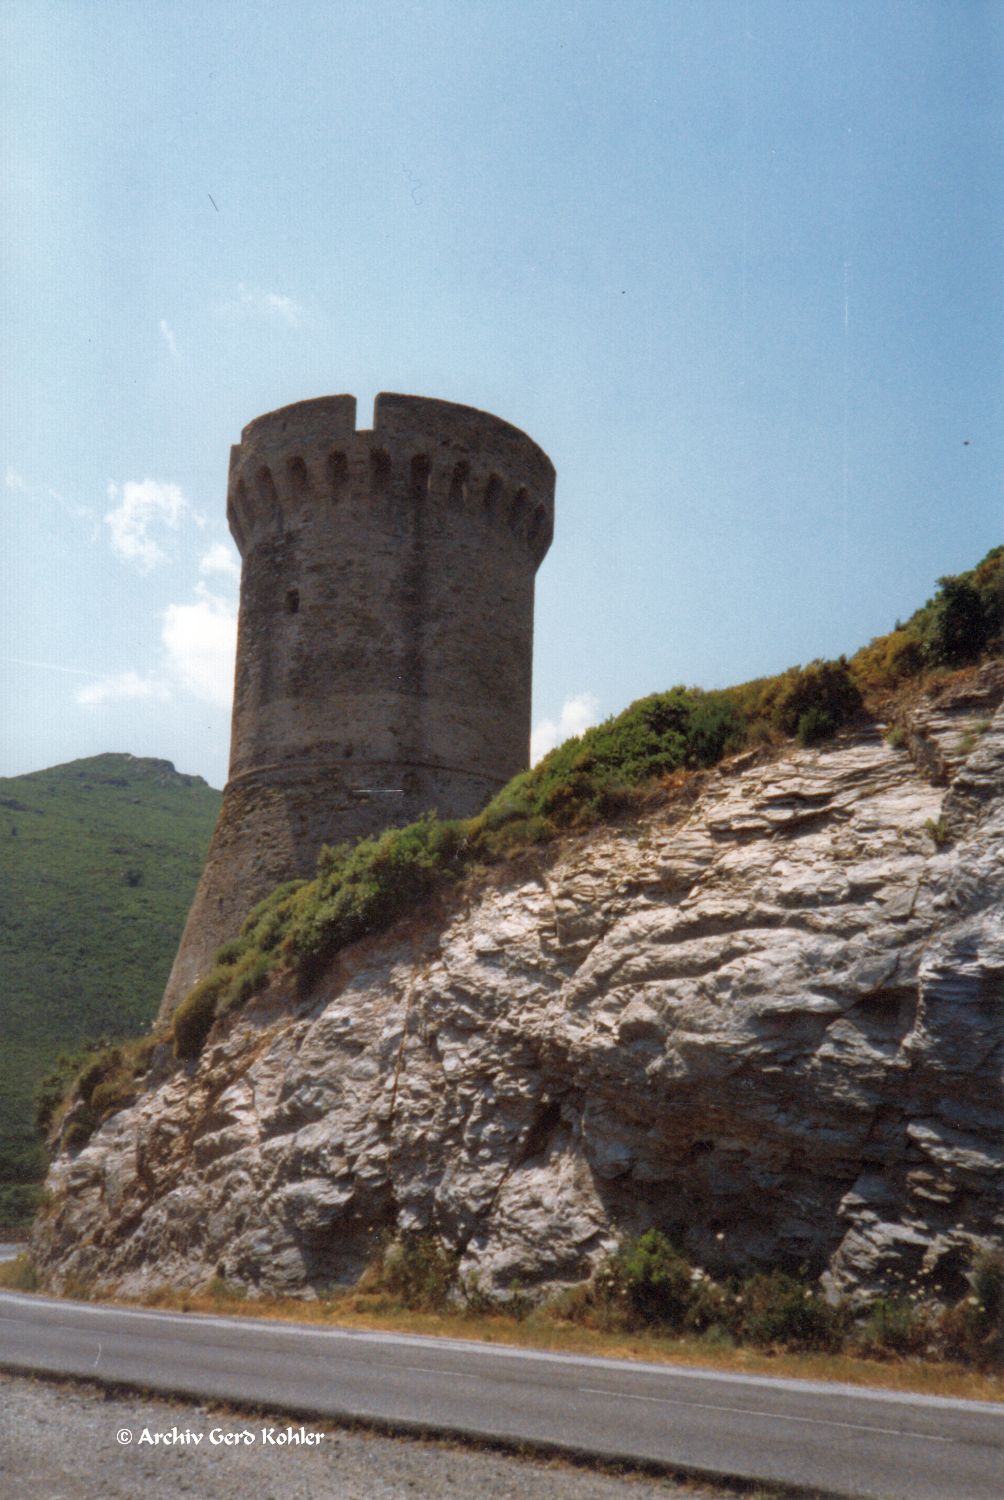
x: 59, y: 1442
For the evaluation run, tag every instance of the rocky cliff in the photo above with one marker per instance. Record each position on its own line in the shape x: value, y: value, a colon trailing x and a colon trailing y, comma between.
x: 768, y: 1015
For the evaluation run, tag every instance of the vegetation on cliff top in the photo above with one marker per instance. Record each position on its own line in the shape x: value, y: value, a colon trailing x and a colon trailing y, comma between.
x: 363, y: 888
x: 99, y: 860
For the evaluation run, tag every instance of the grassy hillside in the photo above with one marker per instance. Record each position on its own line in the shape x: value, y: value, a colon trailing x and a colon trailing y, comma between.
x: 98, y: 865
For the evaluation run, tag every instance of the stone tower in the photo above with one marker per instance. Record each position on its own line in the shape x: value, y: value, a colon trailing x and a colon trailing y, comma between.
x: 384, y: 637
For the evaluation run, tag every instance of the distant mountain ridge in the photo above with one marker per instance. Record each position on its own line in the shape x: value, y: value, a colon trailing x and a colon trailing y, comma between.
x: 99, y: 859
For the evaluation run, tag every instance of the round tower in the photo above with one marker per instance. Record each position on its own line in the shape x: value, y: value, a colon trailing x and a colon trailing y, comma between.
x: 384, y: 637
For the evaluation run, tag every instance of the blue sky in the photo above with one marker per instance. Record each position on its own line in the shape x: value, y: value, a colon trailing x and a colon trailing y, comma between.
x: 736, y: 266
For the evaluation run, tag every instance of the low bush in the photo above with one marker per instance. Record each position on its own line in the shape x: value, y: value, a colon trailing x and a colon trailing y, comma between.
x: 419, y: 1271
x: 814, y: 724
x: 221, y: 1290
x: 19, y: 1274
x: 938, y: 830
x: 195, y: 1015
x: 895, y: 1325
x: 781, y: 1309
x: 19, y: 1202
x: 654, y: 1280
x: 51, y: 1091
x: 961, y: 623
x: 108, y: 1081
x: 973, y: 1330
x: 987, y: 1296
x: 819, y: 699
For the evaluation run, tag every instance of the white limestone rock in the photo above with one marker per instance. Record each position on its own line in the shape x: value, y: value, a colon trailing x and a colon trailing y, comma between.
x: 774, y: 1025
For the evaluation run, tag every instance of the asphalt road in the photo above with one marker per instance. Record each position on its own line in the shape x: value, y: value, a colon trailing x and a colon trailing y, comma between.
x: 839, y: 1439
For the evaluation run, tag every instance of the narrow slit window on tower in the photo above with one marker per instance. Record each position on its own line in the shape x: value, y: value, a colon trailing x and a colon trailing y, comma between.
x: 458, y: 484
x: 518, y: 509
x: 537, y: 524
x: 297, y: 475
x: 380, y: 471
x: 421, y: 470
x: 292, y: 601
x: 493, y: 492
x: 266, y: 485
x: 338, y: 476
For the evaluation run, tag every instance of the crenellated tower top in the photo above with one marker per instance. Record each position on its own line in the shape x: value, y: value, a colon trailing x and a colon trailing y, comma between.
x: 384, y: 639
x: 424, y: 451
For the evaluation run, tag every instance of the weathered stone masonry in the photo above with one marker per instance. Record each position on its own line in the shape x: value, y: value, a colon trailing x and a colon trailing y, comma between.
x: 384, y: 638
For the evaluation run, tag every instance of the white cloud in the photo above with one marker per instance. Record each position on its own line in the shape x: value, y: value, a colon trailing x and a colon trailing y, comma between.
x: 123, y: 687
x: 577, y: 714
x: 200, y: 641
x: 15, y: 481
x: 167, y: 334
x: 252, y: 302
x: 221, y: 559
x: 141, y: 506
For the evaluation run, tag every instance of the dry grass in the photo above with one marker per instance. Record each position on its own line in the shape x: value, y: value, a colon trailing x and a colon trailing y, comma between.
x: 541, y: 1330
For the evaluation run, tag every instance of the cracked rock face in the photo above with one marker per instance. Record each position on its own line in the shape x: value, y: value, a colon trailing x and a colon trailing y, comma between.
x: 770, y: 1020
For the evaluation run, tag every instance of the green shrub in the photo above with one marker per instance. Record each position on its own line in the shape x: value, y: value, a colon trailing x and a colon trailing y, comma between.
x: 79, y: 1131
x: 646, y: 1282
x: 710, y: 1307
x: 780, y: 1309
x: 96, y: 1071
x: 19, y: 1274
x: 813, y: 725
x: 895, y: 1325
x: 195, y: 1015
x: 222, y: 1290
x: 961, y: 623
x: 656, y: 1279
x: 957, y: 627
x: 104, y: 1081
x: 112, y: 1095
x: 363, y: 888
x: 19, y: 1202
x: 74, y: 1074
x: 938, y: 831
x: 420, y: 1271
x: 987, y: 1282
x: 822, y: 688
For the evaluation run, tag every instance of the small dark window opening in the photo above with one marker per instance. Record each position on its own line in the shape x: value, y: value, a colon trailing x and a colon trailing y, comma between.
x: 297, y: 475
x: 537, y: 524
x: 380, y: 471
x: 518, y: 509
x: 458, y: 484
x: 421, y: 471
x: 266, y: 485
x: 493, y: 492
x: 338, y: 475
x: 292, y: 601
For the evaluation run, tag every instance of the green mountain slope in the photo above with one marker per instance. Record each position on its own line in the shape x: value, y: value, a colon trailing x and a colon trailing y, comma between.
x: 99, y: 860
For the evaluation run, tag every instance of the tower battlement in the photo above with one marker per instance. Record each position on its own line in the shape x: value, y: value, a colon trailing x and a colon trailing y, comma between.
x: 384, y: 637
x: 418, y: 451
